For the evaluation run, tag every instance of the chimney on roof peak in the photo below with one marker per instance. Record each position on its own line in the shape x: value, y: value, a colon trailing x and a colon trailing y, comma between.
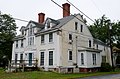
x: 66, y: 9
x: 41, y: 17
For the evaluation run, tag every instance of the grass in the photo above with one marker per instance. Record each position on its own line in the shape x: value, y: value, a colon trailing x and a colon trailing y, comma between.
x: 47, y: 75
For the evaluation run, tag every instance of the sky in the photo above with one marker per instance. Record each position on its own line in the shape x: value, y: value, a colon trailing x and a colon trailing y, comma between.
x: 29, y: 9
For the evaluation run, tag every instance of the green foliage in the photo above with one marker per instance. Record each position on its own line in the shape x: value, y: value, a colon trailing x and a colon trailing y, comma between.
x: 48, y: 75
x: 7, y: 33
x: 105, y: 67
x: 100, y: 30
x: 118, y: 60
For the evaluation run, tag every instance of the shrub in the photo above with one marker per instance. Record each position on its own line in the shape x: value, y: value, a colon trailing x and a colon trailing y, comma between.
x: 105, y: 67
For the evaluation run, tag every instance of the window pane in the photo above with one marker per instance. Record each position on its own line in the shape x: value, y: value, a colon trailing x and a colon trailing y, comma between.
x: 21, y: 58
x: 42, y: 38
x: 70, y: 36
x: 42, y: 58
x: 89, y: 43
x: 16, y: 56
x: 22, y: 43
x: 81, y: 28
x: 17, y: 44
x: 76, y: 25
x: 70, y: 55
x: 50, y: 57
x: 51, y: 37
x: 82, y: 59
x: 94, y: 59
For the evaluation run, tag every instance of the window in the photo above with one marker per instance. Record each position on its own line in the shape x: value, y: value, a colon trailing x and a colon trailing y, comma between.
x: 16, y: 56
x: 21, y: 58
x: 103, y: 59
x: 31, y: 31
x: 42, y: 58
x: 94, y: 59
x: 22, y: 43
x: 76, y: 25
x: 42, y: 38
x: 70, y: 36
x: 89, y: 43
x: 51, y: 37
x: 70, y: 55
x: 82, y: 59
x: 17, y: 44
x: 81, y: 28
x: 97, y: 46
x: 22, y: 32
x: 31, y: 40
x: 50, y: 57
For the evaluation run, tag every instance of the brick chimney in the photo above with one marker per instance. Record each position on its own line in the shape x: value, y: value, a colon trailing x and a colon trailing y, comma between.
x: 41, y: 17
x: 66, y: 9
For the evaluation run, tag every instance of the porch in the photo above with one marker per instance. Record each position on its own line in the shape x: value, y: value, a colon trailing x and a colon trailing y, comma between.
x: 22, y: 65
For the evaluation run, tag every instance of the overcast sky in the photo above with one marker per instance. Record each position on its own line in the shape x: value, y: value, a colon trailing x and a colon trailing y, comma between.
x: 29, y: 9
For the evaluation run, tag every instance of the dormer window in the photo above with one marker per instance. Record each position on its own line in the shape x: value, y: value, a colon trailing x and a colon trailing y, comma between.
x: 89, y: 43
x: 22, y: 32
x: 31, y: 31
x: 81, y: 28
x: 76, y: 25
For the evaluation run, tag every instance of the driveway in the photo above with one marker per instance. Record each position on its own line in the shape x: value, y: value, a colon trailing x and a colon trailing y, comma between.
x: 112, y: 76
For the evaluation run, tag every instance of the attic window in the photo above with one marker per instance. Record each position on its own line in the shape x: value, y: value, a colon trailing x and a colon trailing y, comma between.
x: 89, y: 43
x: 22, y: 32
x: 48, y: 26
x: 81, y: 29
x: 76, y: 25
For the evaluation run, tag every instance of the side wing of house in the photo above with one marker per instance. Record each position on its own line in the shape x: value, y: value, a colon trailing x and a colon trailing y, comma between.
x: 77, y: 46
x: 24, y: 47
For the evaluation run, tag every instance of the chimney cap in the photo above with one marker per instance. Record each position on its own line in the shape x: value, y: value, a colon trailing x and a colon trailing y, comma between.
x: 41, y: 13
x: 66, y: 4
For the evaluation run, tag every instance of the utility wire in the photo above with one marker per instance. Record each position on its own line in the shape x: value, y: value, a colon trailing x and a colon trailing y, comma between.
x: 67, y: 11
x: 20, y: 20
x: 96, y: 6
x: 80, y: 10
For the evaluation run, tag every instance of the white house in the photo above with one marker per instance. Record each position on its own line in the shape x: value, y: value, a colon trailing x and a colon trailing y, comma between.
x: 64, y: 45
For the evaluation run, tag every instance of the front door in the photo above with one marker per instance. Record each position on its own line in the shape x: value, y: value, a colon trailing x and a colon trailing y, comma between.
x: 30, y: 59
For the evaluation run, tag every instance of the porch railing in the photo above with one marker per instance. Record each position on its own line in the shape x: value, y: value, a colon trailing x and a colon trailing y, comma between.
x: 25, y: 63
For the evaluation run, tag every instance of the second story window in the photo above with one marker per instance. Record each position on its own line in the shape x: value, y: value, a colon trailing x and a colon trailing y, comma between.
x: 70, y: 36
x: 76, y: 25
x: 17, y: 44
x: 89, y: 43
x: 22, y: 43
x: 51, y: 37
x: 97, y: 46
x: 42, y: 39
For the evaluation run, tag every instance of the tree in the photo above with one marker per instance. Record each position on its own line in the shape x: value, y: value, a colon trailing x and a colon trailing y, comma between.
x: 7, y: 33
x: 100, y: 30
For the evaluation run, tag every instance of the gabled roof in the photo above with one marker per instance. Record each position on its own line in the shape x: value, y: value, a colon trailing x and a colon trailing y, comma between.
x: 97, y: 41
x: 58, y: 23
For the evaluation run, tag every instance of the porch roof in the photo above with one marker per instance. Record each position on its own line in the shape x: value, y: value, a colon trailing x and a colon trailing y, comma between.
x: 90, y: 50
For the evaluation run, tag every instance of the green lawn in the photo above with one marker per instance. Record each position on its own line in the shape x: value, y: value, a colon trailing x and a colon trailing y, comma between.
x: 46, y: 75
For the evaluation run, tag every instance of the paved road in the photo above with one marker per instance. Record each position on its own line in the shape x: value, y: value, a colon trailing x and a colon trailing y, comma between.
x: 113, y: 76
